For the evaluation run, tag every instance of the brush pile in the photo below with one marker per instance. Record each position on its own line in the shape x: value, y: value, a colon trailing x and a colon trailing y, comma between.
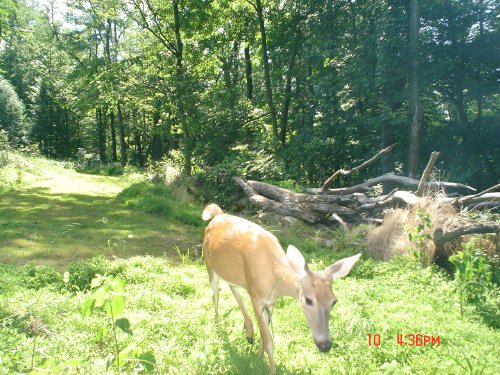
x: 394, y: 211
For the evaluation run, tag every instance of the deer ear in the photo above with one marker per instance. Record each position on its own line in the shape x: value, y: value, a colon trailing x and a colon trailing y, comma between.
x: 342, y: 267
x: 296, y: 261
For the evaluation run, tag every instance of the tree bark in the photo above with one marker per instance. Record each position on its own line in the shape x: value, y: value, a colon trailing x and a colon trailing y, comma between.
x: 267, y: 74
x: 101, y: 134
x: 113, y: 136
x: 414, y: 101
x: 248, y: 71
x: 121, y: 137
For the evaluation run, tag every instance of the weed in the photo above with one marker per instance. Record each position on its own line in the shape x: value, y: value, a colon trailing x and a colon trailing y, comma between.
x: 108, y: 295
x: 474, y: 276
x: 158, y: 199
x: 81, y: 273
x: 419, y: 235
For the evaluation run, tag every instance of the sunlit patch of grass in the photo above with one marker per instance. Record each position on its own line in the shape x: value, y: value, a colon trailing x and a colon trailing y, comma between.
x: 171, y: 313
x: 58, y: 215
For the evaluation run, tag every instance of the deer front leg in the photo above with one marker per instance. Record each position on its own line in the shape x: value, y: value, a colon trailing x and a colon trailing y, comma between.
x: 246, y: 317
x: 263, y: 317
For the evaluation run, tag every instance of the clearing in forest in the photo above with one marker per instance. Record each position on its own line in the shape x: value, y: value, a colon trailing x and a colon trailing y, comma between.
x: 56, y: 216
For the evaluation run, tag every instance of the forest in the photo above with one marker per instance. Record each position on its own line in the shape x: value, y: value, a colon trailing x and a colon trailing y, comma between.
x: 301, y: 87
x: 365, y: 132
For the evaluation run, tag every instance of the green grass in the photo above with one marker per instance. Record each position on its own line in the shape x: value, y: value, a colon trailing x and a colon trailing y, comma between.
x: 55, y: 215
x: 160, y: 200
x: 171, y: 314
x: 56, y: 220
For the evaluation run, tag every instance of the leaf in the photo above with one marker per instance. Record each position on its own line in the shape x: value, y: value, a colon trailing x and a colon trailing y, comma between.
x: 125, y: 352
x: 96, y: 281
x: 101, y: 331
x: 124, y: 325
x: 100, y: 297
x: 148, y: 360
x: 117, y: 284
x: 117, y: 305
x: 88, y: 307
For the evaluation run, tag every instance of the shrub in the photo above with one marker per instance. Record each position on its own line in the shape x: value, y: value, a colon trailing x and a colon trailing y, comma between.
x: 81, y: 273
x: 217, y: 186
x: 474, y: 274
x: 4, y: 146
x: 12, y: 118
x: 38, y: 277
x: 160, y: 200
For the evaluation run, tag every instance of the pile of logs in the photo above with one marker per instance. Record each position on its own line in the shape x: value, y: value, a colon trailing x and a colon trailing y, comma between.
x: 353, y: 204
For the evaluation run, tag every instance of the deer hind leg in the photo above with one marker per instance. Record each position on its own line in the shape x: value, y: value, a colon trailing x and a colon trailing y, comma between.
x: 246, y: 317
x: 214, y: 283
x: 262, y: 312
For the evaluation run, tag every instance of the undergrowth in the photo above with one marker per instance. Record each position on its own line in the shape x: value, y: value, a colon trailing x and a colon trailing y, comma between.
x: 167, y: 323
x: 160, y: 200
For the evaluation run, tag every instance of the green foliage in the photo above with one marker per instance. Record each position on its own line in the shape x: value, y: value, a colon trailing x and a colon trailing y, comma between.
x: 108, y: 295
x: 12, y: 112
x: 163, y: 326
x: 38, y: 277
x: 81, y: 273
x: 419, y: 235
x: 158, y: 199
x: 4, y: 147
x: 474, y: 274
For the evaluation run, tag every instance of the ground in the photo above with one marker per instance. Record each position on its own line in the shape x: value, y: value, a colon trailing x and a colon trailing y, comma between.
x: 56, y: 216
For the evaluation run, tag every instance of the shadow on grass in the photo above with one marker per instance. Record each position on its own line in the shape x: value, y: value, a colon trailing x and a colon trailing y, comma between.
x: 57, y: 229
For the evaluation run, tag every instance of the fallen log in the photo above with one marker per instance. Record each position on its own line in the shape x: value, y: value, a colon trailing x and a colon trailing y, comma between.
x: 440, y: 238
x: 285, y: 209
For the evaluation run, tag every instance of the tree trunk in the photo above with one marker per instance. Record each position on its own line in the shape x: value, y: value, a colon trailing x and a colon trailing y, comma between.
x: 121, y: 134
x: 288, y: 97
x: 415, y: 107
x: 101, y: 134
x: 248, y: 71
x: 156, y: 142
x: 113, y: 135
x: 267, y: 74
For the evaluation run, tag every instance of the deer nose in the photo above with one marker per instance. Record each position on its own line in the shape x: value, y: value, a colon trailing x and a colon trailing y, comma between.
x: 324, y: 346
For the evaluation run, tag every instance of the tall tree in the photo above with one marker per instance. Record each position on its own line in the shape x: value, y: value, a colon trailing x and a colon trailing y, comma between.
x: 416, y: 113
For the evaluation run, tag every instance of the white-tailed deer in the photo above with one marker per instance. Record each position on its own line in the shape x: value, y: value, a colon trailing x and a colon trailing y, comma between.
x: 246, y: 255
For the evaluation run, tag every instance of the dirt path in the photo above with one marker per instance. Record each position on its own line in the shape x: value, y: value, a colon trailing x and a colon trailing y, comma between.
x: 59, y: 216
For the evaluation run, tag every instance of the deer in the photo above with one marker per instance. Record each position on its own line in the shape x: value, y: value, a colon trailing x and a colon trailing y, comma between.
x: 245, y: 255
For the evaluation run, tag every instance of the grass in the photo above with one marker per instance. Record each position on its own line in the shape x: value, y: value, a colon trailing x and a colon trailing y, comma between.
x: 171, y: 313
x: 56, y: 216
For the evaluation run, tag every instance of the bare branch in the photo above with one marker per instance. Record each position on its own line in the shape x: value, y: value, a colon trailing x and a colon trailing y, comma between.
x: 342, y: 172
x: 427, y: 172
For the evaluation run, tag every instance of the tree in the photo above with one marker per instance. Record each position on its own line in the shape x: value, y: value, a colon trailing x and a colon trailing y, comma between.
x: 12, y: 113
x: 415, y: 108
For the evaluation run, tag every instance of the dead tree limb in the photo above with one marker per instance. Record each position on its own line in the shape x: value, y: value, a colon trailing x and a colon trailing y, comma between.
x: 440, y: 238
x: 489, y: 190
x: 427, y: 172
x: 343, y: 172
x: 285, y: 209
x: 391, y: 177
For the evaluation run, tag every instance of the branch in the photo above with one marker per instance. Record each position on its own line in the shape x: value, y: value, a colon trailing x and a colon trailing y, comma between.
x: 427, y: 172
x: 391, y: 177
x: 343, y: 172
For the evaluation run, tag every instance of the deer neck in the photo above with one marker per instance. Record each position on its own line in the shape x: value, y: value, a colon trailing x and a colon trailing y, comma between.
x: 287, y: 283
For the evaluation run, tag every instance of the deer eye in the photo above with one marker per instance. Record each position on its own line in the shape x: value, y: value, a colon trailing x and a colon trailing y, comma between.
x: 309, y: 301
